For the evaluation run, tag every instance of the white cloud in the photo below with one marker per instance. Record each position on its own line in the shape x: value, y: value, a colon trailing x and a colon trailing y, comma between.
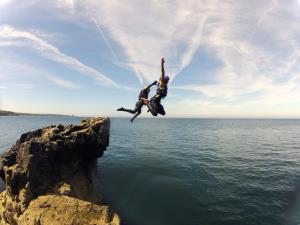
x: 150, y: 30
x: 4, y: 2
x: 207, y: 109
x: 255, y: 41
x: 100, y: 30
x: 24, y: 86
x: 16, y: 4
x: 9, y: 34
x: 10, y: 43
x: 259, y: 49
x: 9, y: 68
x: 66, y: 3
x: 255, y: 44
x: 63, y: 83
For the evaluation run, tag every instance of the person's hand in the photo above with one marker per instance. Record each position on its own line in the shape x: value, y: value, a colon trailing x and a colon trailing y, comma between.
x: 155, y: 82
x: 162, y: 60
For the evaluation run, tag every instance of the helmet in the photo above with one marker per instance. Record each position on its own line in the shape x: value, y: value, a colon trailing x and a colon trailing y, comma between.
x: 167, y: 78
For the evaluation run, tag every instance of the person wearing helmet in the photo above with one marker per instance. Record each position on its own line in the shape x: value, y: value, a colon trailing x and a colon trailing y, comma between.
x: 154, y: 105
x: 140, y: 103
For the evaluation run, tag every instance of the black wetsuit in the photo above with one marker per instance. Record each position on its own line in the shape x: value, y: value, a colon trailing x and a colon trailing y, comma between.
x: 140, y: 103
x: 155, y: 107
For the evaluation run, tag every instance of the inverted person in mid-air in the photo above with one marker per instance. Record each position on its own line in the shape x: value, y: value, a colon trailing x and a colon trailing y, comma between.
x: 154, y: 105
x: 140, y: 103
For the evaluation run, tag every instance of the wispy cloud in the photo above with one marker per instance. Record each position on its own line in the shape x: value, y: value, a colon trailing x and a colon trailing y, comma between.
x: 258, y: 47
x: 146, y: 32
x: 11, y: 35
x: 62, y: 83
x: 24, y: 86
x: 94, y: 20
x: 240, y: 35
x: 10, y: 68
x: 254, y: 45
x: 4, y: 2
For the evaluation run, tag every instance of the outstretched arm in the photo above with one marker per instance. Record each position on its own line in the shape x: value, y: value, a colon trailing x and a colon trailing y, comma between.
x: 150, y: 85
x: 162, y: 68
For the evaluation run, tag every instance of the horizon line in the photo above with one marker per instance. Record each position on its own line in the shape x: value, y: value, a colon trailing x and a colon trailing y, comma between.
x: 149, y: 116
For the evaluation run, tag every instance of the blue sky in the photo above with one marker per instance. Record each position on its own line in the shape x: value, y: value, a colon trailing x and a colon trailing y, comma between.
x: 225, y: 58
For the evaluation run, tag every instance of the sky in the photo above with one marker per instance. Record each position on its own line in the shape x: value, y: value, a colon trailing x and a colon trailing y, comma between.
x: 225, y: 58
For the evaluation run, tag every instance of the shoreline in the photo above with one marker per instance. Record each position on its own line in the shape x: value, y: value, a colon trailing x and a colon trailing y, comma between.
x: 10, y: 113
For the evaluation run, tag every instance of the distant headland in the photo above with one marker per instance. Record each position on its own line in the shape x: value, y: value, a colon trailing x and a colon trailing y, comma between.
x: 10, y: 113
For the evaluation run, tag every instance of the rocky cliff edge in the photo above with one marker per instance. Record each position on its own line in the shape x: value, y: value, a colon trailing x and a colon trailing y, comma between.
x: 51, y: 177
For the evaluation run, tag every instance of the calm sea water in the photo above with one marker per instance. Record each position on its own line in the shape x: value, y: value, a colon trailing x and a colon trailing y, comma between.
x: 194, y: 171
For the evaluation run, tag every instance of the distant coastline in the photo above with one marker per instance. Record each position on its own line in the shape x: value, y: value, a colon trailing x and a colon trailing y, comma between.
x: 10, y: 113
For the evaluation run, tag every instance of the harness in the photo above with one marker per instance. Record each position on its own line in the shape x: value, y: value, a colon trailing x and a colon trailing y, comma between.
x: 162, y: 91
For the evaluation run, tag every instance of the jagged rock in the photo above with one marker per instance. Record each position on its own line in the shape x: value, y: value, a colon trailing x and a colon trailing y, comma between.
x: 56, y: 165
x: 48, y: 210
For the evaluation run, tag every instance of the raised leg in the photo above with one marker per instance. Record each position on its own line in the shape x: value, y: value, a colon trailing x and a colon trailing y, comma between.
x: 136, y: 115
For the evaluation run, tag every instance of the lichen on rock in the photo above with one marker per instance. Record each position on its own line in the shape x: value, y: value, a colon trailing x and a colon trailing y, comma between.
x: 52, y: 173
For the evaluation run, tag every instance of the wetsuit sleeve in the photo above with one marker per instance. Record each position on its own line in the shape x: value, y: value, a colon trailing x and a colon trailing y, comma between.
x: 149, y: 86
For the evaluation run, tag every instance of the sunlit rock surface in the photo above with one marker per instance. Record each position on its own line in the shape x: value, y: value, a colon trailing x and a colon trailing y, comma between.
x: 51, y: 176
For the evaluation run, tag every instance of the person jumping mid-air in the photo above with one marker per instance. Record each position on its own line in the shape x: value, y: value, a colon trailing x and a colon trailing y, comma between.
x: 154, y: 105
x: 140, y: 103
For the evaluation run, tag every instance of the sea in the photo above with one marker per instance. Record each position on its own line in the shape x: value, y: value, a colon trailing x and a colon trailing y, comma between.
x: 168, y: 171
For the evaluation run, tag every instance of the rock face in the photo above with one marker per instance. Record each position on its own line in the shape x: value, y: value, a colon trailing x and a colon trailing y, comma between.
x: 51, y: 176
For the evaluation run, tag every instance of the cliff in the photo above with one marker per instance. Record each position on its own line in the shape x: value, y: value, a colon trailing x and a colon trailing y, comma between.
x: 51, y: 177
x: 6, y: 113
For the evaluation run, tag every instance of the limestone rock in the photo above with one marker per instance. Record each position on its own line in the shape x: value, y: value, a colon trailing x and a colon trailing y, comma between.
x: 63, y: 210
x: 56, y: 165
